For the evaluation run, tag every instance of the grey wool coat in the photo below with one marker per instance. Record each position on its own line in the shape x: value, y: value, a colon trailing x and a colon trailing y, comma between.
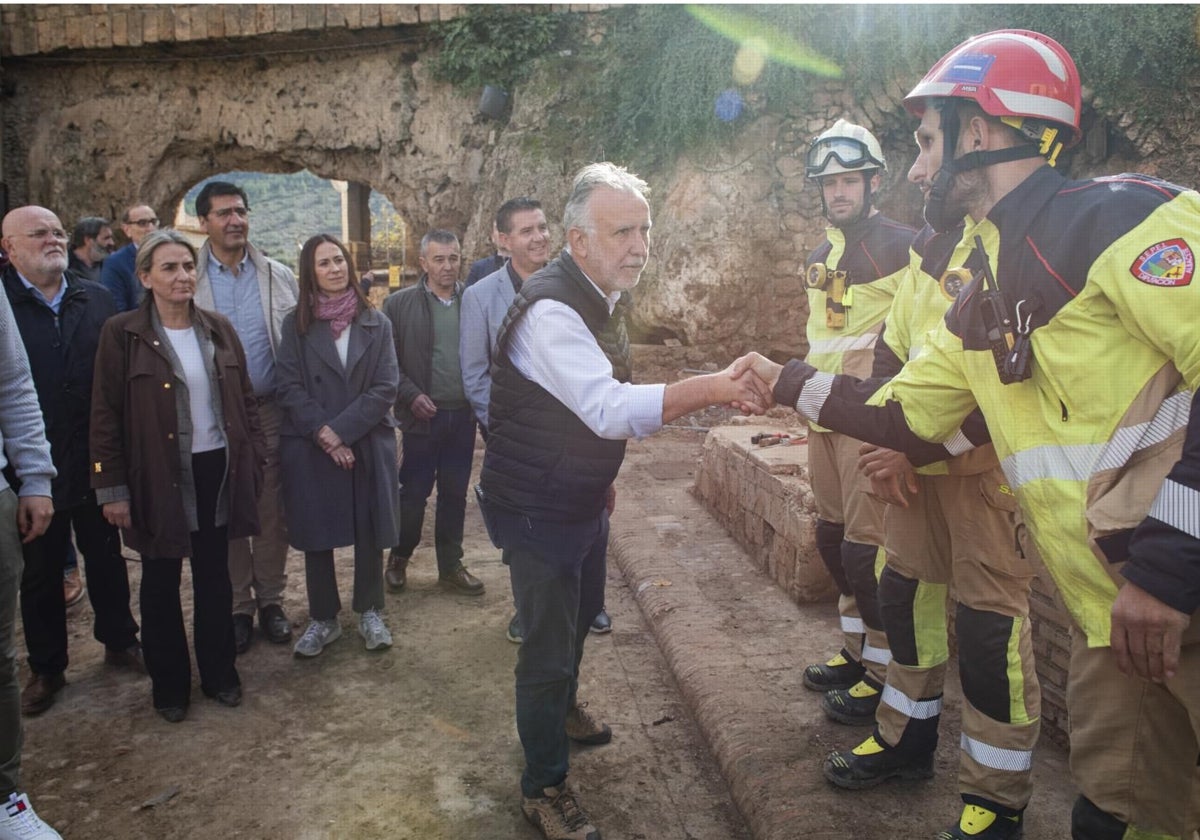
x: 328, y: 507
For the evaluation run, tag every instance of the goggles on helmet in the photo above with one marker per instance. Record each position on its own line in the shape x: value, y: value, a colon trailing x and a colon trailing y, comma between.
x: 850, y: 153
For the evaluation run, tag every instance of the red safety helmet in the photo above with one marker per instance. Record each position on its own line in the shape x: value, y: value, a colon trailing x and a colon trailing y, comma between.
x: 1025, y: 78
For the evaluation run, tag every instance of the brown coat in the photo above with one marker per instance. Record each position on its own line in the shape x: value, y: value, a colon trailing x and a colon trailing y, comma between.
x: 135, y: 426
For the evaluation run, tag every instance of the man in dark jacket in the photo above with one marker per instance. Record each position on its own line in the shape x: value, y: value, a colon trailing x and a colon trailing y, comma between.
x: 59, y: 317
x: 434, y: 414
x: 91, y: 243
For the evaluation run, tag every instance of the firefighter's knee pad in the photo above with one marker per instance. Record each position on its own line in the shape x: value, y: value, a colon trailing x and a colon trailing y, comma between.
x: 1090, y: 823
x: 988, y: 659
x: 858, y: 560
x: 829, y: 545
x: 914, y: 613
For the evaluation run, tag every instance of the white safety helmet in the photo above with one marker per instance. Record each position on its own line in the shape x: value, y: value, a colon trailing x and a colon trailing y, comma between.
x: 844, y: 147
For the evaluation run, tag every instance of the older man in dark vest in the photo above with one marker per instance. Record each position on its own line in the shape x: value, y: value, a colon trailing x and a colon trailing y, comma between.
x: 562, y: 407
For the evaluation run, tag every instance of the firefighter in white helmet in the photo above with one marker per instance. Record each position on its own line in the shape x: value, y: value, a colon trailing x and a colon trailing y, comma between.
x: 1076, y: 337
x: 851, y: 279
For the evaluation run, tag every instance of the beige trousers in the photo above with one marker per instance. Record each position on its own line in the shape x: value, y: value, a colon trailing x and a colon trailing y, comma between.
x: 258, y: 565
x: 957, y: 537
x: 840, y: 493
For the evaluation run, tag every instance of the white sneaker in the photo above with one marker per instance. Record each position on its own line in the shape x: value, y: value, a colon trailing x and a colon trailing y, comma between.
x: 374, y: 631
x: 20, y: 822
x: 316, y: 636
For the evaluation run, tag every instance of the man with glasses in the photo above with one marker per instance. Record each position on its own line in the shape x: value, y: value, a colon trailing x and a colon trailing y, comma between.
x: 255, y: 293
x: 851, y: 279
x: 58, y: 317
x: 118, y: 275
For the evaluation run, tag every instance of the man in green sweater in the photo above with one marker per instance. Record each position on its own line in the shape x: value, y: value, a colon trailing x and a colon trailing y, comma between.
x: 434, y: 414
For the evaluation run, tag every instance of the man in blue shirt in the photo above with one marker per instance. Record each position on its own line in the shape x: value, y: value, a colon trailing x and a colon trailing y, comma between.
x: 255, y: 293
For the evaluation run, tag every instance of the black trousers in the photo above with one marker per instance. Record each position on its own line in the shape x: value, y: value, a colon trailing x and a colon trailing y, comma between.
x: 43, y: 610
x: 163, y: 637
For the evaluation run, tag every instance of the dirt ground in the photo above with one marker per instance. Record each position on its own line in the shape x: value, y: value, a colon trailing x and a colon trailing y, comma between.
x: 415, y: 742
x: 420, y: 742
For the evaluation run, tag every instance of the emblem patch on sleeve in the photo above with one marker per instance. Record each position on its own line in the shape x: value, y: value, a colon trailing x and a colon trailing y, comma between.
x: 1169, y: 263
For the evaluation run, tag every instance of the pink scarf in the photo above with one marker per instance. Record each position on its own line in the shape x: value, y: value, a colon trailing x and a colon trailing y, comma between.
x: 338, y: 310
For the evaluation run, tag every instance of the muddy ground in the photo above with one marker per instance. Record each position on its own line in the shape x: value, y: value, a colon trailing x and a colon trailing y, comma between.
x: 415, y: 742
x: 419, y: 741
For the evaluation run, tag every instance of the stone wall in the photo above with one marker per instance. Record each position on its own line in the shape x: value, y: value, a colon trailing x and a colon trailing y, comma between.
x: 764, y: 498
x: 93, y: 121
x: 43, y: 28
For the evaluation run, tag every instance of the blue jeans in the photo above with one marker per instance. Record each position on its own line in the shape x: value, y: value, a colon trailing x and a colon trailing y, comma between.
x: 558, y: 571
x: 443, y: 457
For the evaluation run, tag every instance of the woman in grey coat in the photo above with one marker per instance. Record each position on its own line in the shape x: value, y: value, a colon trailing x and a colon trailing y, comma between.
x: 337, y: 377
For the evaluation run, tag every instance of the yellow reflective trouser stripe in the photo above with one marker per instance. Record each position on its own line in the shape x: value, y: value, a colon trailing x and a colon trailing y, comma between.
x: 914, y: 709
x: 1178, y: 506
x: 929, y: 624
x: 996, y: 758
x: 843, y: 343
x: 1132, y: 833
x: 1017, y: 713
x: 812, y: 398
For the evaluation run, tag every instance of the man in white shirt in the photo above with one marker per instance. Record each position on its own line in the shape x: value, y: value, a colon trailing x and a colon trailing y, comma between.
x: 561, y: 409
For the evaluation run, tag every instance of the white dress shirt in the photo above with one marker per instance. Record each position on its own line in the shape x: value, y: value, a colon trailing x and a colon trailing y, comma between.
x: 552, y: 346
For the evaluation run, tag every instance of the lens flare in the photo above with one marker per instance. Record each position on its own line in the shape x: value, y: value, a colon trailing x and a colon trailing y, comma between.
x: 750, y: 60
x: 729, y: 105
x: 763, y: 38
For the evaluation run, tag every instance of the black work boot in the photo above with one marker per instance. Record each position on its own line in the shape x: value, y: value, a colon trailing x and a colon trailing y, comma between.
x: 853, y: 706
x: 872, y: 763
x: 979, y: 823
x: 839, y: 672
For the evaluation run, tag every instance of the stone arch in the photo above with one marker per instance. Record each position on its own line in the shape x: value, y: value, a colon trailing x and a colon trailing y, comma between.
x: 133, y: 131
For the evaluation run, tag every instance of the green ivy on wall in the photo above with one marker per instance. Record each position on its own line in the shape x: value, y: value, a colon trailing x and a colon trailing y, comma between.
x: 492, y: 45
x: 656, y: 80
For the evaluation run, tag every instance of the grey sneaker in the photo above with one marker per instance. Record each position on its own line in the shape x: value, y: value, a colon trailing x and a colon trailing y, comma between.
x: 316, y: 636
x: 558, y: 815
x: 374, y: 631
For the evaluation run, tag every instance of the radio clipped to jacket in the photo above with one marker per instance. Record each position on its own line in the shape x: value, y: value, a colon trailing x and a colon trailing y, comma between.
x: 834, y: 283
x: 1007, y: 337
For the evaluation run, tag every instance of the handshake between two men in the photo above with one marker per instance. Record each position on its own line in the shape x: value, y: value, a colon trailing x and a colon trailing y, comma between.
x: 890, y: 472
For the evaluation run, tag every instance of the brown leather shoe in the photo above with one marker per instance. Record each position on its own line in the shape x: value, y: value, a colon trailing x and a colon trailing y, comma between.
x: 39, y: 693
x: 583, y: 728
x: 72, y: 587
x: 396, y: 575
x: 462, y: 582
x: 131, y: 658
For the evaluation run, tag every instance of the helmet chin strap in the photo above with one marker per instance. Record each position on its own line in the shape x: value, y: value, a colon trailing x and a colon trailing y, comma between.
x: 937, y: 213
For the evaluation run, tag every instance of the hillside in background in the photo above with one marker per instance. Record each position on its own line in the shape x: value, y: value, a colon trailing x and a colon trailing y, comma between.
x: 285, y: 210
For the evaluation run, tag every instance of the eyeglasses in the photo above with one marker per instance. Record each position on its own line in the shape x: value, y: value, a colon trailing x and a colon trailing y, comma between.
x: 850, y: 153
x: 151, y: 222
x: 53, y: 233
x: 225, y: 212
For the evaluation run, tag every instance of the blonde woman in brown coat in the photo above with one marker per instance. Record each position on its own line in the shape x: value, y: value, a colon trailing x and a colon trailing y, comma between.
x: 176, y: 452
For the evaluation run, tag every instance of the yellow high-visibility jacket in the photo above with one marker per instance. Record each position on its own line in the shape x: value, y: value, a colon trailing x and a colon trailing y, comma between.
x: 874, y: 254
x: 1099, y: 443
